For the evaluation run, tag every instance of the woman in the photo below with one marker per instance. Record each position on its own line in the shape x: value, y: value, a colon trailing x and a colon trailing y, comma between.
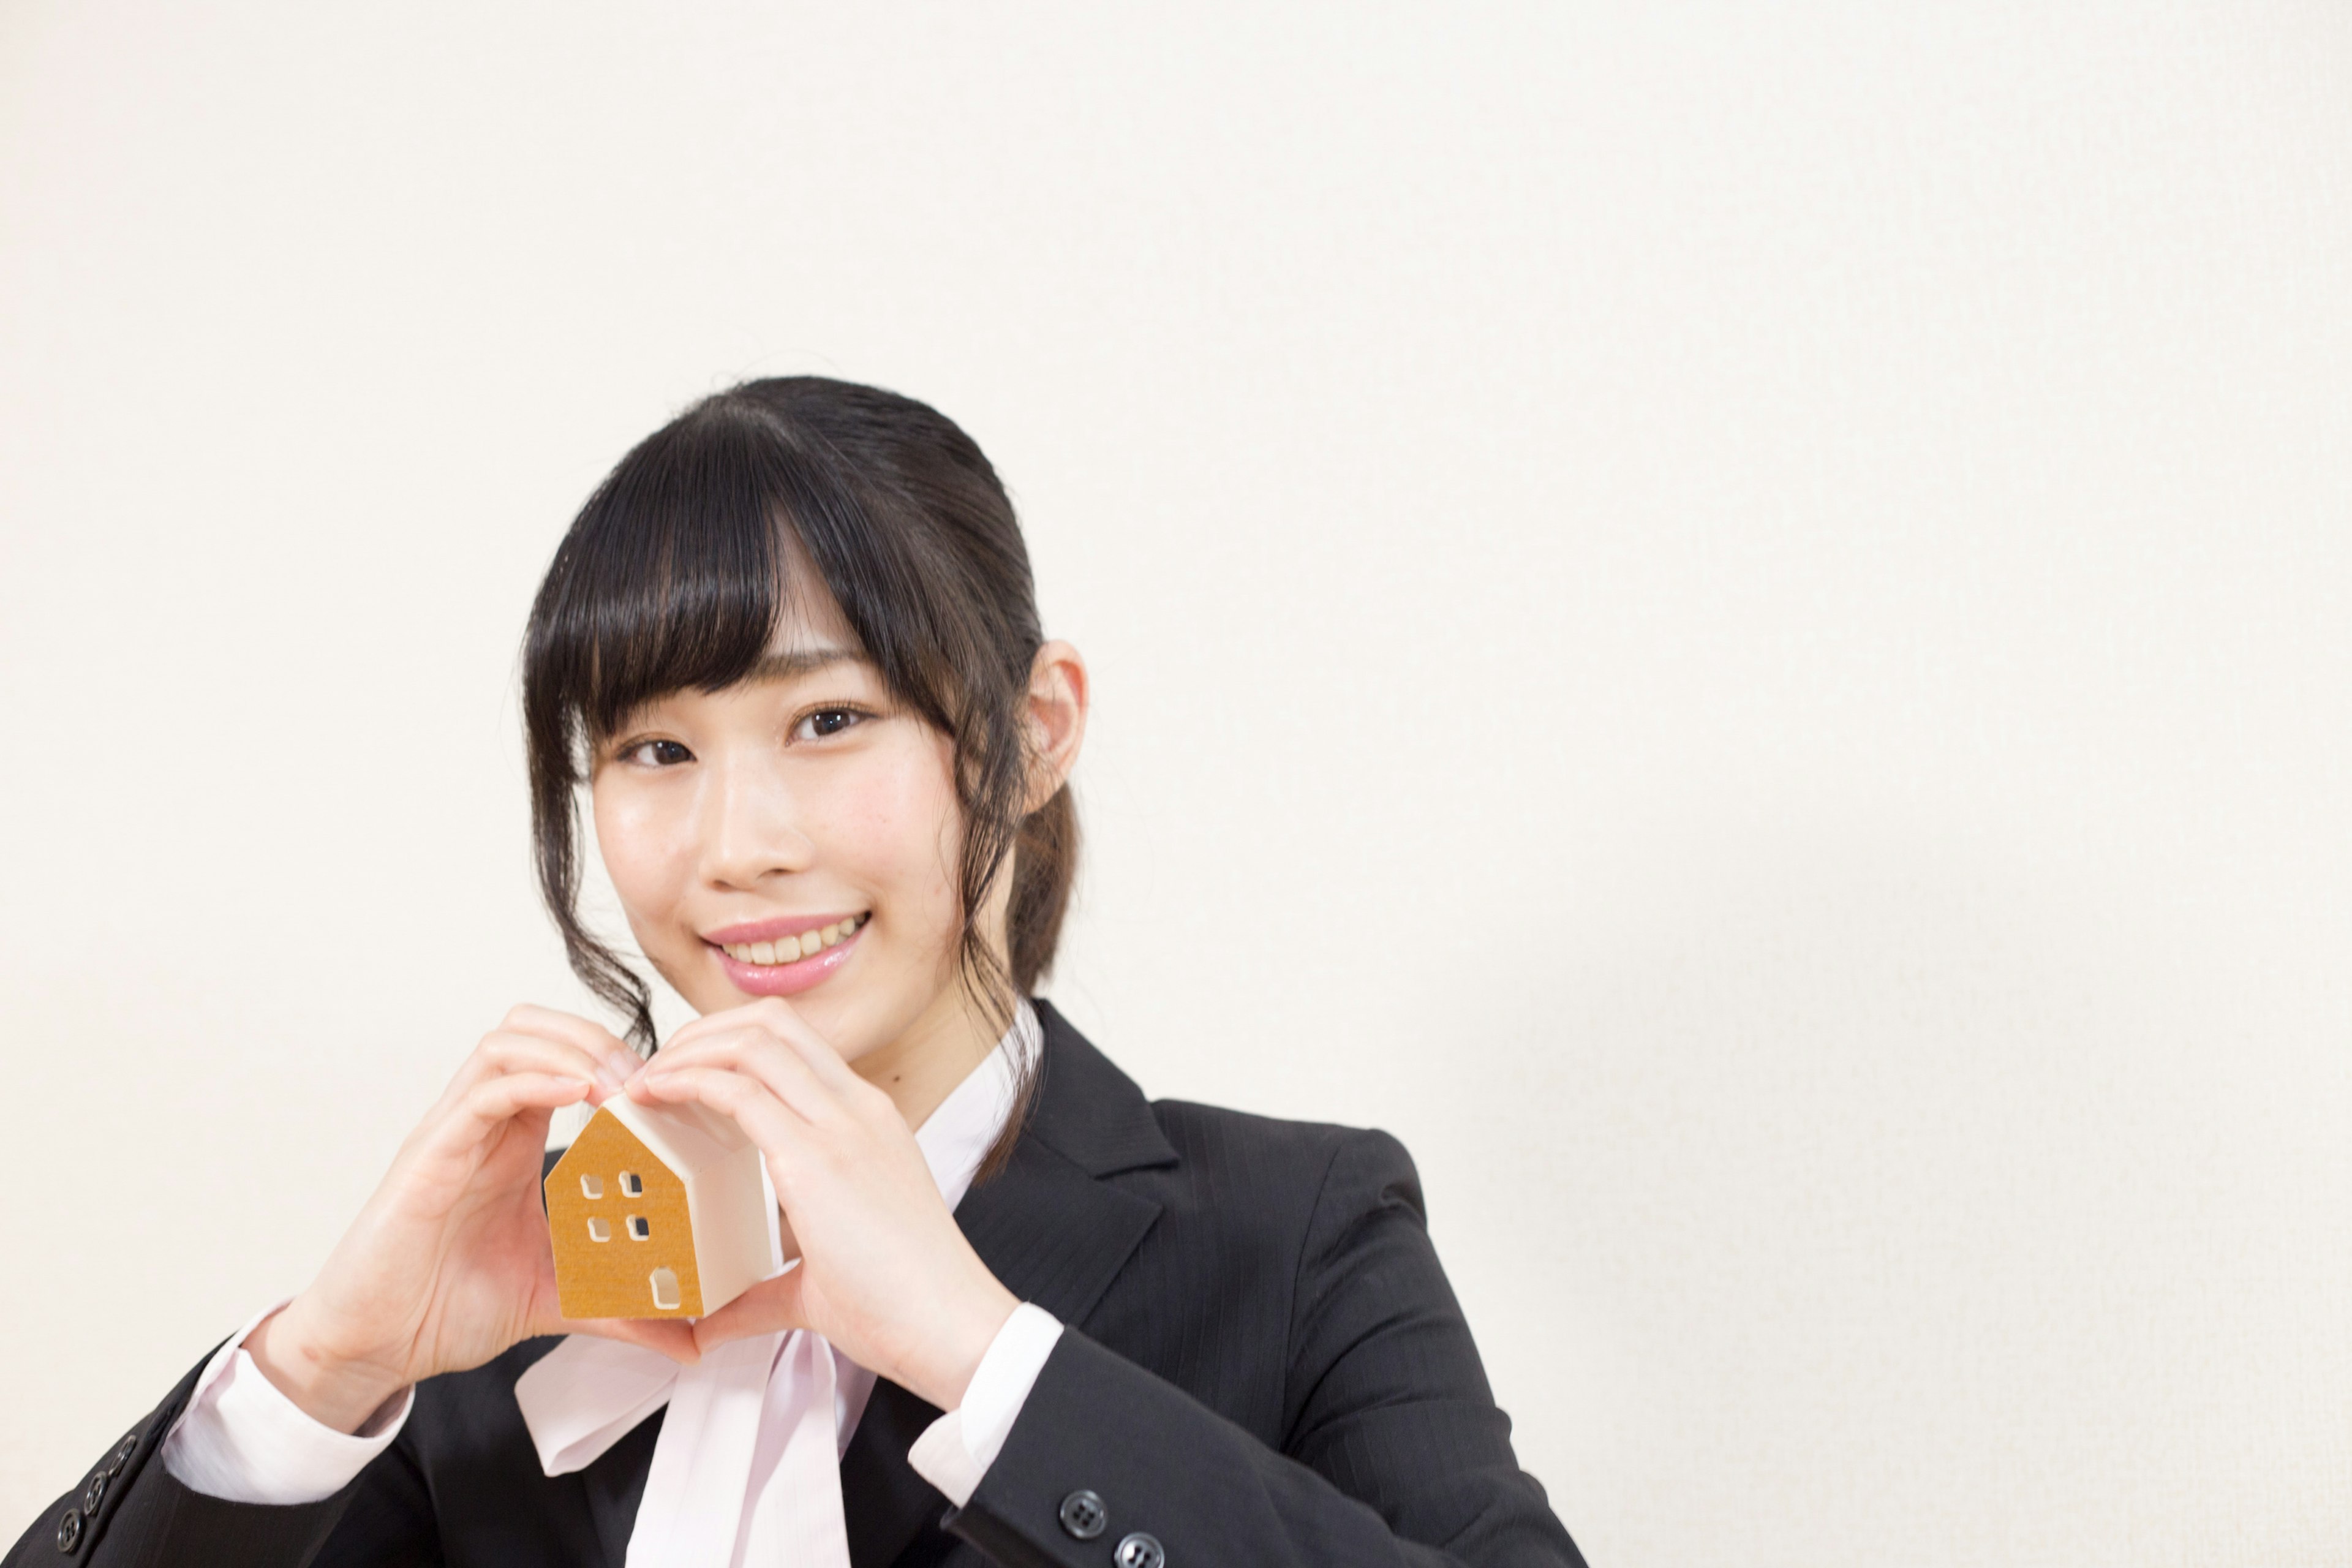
x: 1024, y: 1316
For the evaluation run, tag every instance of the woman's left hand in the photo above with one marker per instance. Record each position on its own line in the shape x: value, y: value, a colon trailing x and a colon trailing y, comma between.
x: 885, y: 1273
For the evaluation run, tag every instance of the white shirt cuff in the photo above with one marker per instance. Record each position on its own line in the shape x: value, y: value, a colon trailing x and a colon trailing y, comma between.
x: 242, y: 1440
x: 956, y: 1450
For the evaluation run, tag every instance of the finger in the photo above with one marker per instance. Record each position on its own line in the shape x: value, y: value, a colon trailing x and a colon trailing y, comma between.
x: 504, y: 1050
x: 831, y: 1067
x: 765, y: 1307
x: 509, y: 1051
x: 673, y: 1337
x: 823, y: 1059
x: 772, y: 1012
x: 781, y: 1019
x: 503, y: 1054
x: 779, y: 1131
x: 491, y: 1104
x: 591, y: 1039
x: 753, y: 1050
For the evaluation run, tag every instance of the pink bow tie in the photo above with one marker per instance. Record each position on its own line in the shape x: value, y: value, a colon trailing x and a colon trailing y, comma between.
x: 747, y: 1469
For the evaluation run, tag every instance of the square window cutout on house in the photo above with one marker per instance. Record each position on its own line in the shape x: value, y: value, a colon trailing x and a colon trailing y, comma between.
x: 599, y: 1231
x: 591, y: 1187
x: 665, y: 1295
x: 638, y: 1228
x: 632, y: 1184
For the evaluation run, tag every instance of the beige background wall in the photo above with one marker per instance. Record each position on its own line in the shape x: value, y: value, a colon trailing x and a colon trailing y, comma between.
x: 1731, y: 618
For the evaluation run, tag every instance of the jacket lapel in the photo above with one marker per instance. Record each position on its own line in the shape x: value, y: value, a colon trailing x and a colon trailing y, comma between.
x: 1050, y: 1228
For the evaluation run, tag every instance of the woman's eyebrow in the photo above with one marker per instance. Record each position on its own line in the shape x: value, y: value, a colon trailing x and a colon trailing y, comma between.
x: 798, y: 662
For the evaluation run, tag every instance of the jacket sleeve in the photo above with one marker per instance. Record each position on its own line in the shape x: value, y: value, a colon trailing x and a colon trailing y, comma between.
x: 132, y: 1512
x: 1395, y: 1453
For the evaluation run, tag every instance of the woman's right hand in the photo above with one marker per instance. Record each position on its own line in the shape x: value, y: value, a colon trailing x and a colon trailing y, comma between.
x: 450, y: 1264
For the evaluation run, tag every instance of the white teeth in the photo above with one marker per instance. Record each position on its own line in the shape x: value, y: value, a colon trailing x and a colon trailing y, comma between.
x: 792, y: 949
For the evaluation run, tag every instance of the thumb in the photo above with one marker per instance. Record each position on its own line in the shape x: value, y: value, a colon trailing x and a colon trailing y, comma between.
x: 671, y: 1336
x: 770, y: 1306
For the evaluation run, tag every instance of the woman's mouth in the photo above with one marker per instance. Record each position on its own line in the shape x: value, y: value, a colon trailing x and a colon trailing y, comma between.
x: 781, y: 964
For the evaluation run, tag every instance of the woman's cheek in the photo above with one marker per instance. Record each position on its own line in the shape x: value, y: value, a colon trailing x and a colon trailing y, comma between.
x: 897, y: 824
x: 646, y: 856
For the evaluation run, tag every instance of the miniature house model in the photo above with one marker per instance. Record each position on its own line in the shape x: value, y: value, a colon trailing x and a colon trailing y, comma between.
x: 657, y: 1212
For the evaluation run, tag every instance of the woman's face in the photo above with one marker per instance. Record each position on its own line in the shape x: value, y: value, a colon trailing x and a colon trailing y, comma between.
x: 794, y: 835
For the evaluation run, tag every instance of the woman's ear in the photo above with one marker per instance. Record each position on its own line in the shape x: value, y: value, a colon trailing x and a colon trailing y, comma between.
x: 1058, y: 720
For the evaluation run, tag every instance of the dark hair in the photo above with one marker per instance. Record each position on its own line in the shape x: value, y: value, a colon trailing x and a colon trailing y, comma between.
x: 676, y: 573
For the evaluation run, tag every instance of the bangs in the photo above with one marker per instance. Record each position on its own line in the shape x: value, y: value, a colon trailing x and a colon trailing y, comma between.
x: 677, y: 574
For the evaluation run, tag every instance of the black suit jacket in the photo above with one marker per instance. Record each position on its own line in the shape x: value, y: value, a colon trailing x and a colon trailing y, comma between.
x: 1263, y: 1365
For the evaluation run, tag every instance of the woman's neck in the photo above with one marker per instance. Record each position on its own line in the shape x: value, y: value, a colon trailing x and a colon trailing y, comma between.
x: 923, y: 1065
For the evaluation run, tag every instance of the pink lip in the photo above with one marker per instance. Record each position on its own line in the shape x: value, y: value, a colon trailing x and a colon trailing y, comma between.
x: 784, y: 979
x: 769, y: 931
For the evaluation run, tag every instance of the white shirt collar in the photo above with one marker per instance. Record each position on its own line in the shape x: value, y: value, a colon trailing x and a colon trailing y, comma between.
x: 958, y: 1135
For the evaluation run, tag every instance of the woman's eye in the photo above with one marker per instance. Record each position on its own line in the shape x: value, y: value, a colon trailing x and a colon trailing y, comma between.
x: 657, y: 753
x: 825, y: 721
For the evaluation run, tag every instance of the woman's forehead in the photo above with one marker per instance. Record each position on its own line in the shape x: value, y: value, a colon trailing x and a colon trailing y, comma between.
x: 792, y: 663
x: 807, y: 615
x: 811, y: 632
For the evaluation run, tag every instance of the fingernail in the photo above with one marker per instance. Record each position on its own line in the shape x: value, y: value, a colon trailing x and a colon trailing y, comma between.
x: 618, y: 1068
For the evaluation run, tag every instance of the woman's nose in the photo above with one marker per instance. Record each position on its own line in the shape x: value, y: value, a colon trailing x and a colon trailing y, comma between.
x: 747, y: 830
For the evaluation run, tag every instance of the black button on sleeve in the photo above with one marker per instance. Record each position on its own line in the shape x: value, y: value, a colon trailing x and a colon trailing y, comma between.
x: 70, y: 1531
x: 1139, y: 1551
x: 94, y: 1493
x: 121, y: 1455
x: 1084, y: 1515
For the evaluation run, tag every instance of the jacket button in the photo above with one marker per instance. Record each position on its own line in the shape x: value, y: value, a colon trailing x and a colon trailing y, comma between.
x: 93, y: 1494
x: 70, y: 1531
x: 1139, y: 1551
x: 1084, y: 1515
x: 121, y: 1455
